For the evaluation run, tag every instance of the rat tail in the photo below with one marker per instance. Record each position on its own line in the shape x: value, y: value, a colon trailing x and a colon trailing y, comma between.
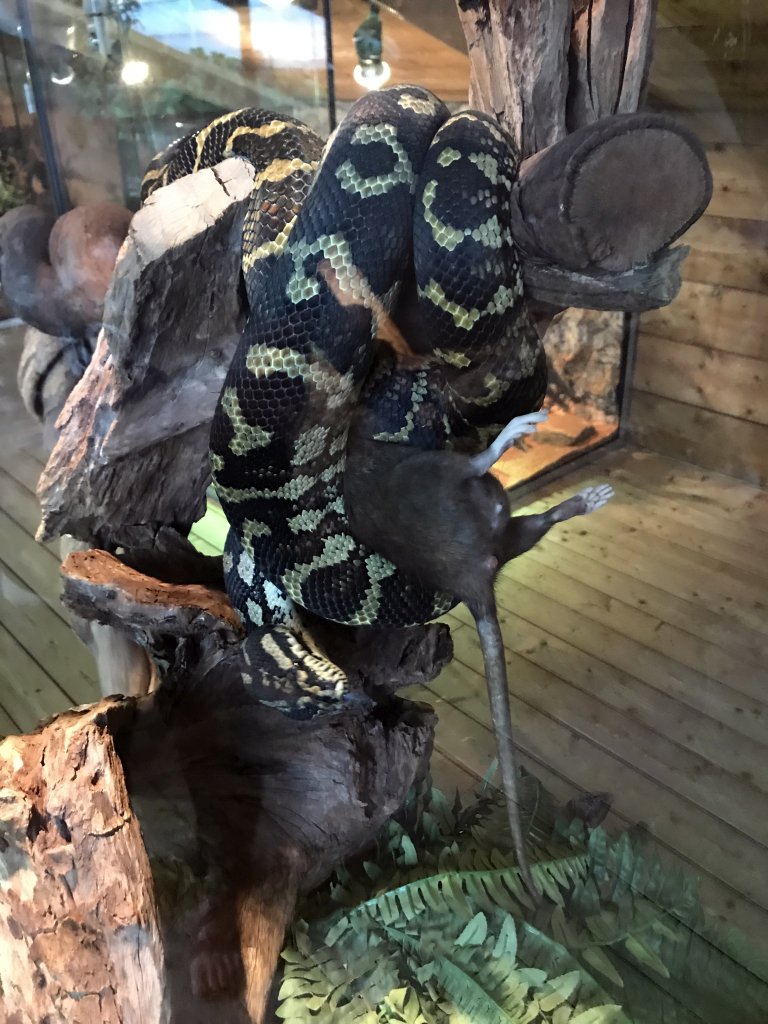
x: 492, y: 646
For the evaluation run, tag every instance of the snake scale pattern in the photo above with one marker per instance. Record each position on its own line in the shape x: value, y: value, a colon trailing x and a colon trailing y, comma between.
x: 403, y: 217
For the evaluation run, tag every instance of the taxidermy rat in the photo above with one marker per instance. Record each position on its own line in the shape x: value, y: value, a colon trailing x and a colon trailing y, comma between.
x: 440, y: 516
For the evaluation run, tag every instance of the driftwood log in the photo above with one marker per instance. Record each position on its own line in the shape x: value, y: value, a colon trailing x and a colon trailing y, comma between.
x: 152, y: 848
x: 123, y: 825
x: 132, y: 453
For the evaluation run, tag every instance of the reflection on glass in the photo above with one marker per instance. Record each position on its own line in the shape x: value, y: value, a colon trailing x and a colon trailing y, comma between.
x: 23, y: 175
x: 124, y: 79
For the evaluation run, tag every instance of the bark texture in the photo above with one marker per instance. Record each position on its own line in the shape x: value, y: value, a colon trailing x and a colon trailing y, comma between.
x: 152, y: 849
x: 133, y: 438
x: 79, y: 930
x: 549, y: 67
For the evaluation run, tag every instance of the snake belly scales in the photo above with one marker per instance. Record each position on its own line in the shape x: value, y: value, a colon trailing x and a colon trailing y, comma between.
x: 403, y: 199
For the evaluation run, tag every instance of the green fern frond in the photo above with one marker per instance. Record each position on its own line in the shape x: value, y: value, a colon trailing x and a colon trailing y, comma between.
x: 436, y: 927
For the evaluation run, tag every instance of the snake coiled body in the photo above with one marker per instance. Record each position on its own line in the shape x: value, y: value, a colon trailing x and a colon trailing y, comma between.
x: 406, y: 209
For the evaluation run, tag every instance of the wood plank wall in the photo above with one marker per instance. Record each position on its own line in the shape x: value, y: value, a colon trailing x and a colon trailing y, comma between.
x: 699, y: 385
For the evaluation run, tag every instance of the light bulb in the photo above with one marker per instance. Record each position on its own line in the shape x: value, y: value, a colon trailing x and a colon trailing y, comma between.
x: 372, y: 75
x: 278, y: 5
x: 135, y: 72
x: 63, y: 79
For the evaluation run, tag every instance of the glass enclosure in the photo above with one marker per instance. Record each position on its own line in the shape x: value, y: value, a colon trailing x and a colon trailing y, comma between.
x: 119, y: 82
x: 24, y: 174
x: 635, y: 636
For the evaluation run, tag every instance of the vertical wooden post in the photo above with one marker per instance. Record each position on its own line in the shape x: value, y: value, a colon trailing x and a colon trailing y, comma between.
x: 547, y: 67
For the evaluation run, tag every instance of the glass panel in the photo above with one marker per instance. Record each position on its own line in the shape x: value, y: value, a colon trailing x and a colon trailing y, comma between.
x: 124, y: 80
x: 636, y: 639
x: 23, y: 175
x: 412, y: 52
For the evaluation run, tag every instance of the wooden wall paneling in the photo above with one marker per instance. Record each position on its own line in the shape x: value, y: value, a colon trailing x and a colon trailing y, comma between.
x: 727, y: 40
x: 718, y: 124
x: 8, y: 725
x: 711, y: 85
x: 701, y: 838
x: 472, y: 746
x: 709, y: 439
x: 728, y: 319
x: 702, y: 363
x: 28, y: 693
x: 728, y: 253
x: 625, y: 737
x: 718, y: 381
x: 740, y: 178
x: 628, y: 673
x: 712, y: 13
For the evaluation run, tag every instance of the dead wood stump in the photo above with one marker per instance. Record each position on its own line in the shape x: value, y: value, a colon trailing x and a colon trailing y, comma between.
x: 153, y: 848
x: 133, y: 438
x: 143, y: 844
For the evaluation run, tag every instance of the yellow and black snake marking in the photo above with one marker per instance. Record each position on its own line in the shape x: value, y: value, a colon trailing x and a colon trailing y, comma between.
x: 402, y: 195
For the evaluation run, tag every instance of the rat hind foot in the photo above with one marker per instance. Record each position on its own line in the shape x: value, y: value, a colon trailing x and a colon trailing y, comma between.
x: 516, y: 428
x: 594, y: 498
x: 588, y: 500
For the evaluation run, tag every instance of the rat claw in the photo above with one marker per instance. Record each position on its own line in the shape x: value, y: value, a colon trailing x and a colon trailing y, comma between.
x: 595, y: 497
x: 506, y: 439
x: 523, y: 425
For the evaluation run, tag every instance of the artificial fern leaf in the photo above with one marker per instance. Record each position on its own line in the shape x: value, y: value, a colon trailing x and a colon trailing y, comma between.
x: 597, y: 845
x: 597, y: 959
x: 646, y: 956
x: 373, y: 871
x: 532, y: 1012
x: 562, y: 988
x: 335, y: 933
x: 441, y: 913
x: 532, y: 975
x: 475, y: 933
x: 408, y: 855
x: 405, y: 1003
x: 506, y: 943
x: 562, y: 1014
x: 608, y: 1014
x: 467, y: 996
x: 563, y: 930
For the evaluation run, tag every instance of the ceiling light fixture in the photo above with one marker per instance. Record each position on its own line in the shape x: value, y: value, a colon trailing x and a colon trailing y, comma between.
x: 135, y: 72
x: 278, y: 5
x: 63, y: 78
x: 372, y: 75
x: 371, y: 71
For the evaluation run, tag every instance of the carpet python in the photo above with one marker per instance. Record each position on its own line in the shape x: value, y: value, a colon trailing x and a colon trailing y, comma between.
x: 406, y: 210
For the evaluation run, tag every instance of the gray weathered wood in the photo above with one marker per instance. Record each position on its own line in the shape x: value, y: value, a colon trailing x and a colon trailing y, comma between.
x: 142, y: 411
x: 548, y: 67
x: 518, y: 65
